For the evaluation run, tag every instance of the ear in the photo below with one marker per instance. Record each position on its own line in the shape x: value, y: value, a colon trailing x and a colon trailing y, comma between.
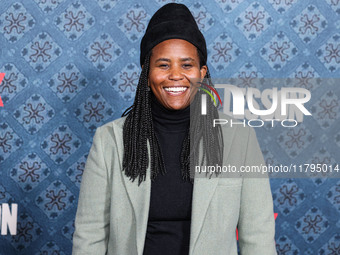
x: 203, y: 71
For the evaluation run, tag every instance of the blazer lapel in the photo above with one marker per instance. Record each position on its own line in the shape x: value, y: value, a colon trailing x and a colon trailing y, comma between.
x: 140, y: 200
x: 139, y: 197
x: 204, y: 189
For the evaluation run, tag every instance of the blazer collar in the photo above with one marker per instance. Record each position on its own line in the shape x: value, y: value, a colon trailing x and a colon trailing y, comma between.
x: 204, y: 189
x: 139, y: 196
x: 140, y: 200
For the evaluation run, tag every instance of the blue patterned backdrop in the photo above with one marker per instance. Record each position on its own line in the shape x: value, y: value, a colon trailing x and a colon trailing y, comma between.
x: 72, y: 66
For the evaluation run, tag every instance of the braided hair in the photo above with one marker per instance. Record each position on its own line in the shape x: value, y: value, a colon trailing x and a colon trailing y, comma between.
x: 138, y: 133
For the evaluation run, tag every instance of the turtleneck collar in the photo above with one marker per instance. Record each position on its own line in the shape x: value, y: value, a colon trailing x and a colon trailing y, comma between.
x: 169, y: 120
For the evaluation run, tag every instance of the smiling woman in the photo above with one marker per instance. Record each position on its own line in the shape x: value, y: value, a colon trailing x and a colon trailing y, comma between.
x: 171, y: 210
x: 173, y: 63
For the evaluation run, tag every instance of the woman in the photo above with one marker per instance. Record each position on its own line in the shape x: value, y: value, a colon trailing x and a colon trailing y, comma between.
x: 138, y: 195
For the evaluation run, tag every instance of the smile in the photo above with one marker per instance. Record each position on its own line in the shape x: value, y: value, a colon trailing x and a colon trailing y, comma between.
x: 175, y: 90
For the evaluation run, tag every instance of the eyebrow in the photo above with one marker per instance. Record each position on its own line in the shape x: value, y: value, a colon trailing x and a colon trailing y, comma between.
x: 168, y: 60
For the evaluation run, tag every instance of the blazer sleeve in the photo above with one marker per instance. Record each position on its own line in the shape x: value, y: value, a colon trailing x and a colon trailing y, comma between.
x: 93, y: 212
x: 256, y: 226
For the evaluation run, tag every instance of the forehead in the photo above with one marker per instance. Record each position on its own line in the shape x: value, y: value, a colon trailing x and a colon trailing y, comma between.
x: 175, y: 47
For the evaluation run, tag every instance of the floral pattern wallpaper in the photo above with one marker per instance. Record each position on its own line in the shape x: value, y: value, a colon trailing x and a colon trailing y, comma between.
x: 73, y: 65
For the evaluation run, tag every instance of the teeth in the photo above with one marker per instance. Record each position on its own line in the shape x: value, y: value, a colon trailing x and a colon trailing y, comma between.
x: 176, y: 89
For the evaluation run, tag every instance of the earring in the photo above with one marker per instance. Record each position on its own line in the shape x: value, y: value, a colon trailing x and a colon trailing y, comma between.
x: 148, y: 89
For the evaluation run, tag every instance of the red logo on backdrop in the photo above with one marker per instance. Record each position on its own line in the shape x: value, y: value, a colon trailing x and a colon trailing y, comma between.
x: 2, y: 75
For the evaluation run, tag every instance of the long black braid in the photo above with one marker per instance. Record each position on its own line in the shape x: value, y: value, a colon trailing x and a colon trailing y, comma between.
x: 138, y: 131
x: 202, y: 135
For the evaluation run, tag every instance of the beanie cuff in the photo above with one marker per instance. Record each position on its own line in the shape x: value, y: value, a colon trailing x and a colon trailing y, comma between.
x: 172, y: 30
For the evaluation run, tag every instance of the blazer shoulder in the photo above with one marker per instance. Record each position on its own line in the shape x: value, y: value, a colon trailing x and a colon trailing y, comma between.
x: 116, y: 124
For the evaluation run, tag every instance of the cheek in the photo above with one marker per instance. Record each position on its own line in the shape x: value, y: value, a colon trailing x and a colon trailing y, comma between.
x: 196, y: 73
x: 155, y: 81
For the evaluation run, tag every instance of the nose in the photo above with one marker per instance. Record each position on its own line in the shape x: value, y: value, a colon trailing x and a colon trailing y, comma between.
x: 175, y: 73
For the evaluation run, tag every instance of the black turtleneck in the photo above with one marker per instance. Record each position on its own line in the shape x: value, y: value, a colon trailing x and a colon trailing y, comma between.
x: 168, y: 230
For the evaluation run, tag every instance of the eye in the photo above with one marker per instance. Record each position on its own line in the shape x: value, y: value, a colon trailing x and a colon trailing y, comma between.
x: 187, y: 66
x: 164, y: 65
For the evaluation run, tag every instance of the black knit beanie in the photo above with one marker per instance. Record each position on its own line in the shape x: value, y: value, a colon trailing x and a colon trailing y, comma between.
x: 172, y: 21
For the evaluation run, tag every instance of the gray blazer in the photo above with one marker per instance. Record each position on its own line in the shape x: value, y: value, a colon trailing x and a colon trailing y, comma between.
x: 112, y: 212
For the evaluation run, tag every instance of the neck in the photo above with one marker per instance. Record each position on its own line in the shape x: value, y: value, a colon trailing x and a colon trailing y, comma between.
x: 169, y: 120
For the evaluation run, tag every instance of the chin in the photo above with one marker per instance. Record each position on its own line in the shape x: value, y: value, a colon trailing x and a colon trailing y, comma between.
x: 178, y: 107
